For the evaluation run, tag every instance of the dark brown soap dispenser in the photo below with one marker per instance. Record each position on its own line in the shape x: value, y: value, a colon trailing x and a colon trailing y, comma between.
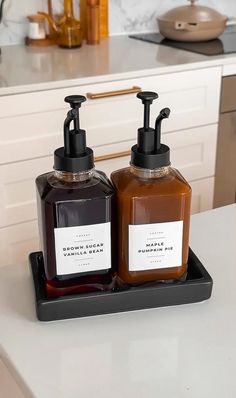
x: 75, y: 214
x: 153, y: 201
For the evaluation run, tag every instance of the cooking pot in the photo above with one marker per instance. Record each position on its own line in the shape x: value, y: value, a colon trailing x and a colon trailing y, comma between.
x: 192, y: 23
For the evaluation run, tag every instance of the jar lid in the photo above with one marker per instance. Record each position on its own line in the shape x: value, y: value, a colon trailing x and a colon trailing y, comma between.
x: 36, y: 18
x: 193, y: 13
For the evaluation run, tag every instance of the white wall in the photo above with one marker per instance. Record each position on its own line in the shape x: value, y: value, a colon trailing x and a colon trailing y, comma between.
x: 126, y: 16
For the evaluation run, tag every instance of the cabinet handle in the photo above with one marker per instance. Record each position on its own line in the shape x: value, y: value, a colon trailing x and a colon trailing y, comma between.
x: 112, y: 156
x: 133, y: 90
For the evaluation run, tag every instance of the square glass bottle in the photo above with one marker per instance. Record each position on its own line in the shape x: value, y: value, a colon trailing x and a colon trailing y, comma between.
x: 153, y: 203
x: 75, y: 209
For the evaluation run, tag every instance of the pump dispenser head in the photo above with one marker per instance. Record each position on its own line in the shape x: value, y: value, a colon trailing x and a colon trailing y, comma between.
x: 74, y: 156
x: 149, y: 153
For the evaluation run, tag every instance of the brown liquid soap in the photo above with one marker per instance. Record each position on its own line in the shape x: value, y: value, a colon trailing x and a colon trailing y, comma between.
x: 75, y: 206
x: 153, y: 201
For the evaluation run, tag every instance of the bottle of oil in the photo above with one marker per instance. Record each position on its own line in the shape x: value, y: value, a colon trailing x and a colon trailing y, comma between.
x: 67, y: 30
x: 75, y: 212
x: 153, y: 201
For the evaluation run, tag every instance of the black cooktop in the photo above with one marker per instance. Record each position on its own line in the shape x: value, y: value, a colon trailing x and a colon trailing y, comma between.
x: 225, y: 44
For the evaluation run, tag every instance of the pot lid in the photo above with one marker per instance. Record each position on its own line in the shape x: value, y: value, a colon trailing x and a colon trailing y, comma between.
x: 193, y: 13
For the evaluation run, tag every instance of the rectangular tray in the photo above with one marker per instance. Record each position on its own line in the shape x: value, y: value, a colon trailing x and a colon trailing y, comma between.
x: 196, y: 288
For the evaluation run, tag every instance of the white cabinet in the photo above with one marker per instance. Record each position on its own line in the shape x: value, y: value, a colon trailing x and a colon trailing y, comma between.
x: 17, y: 188
x: 31, y: 124
x: 31, y: 128
x: 193, y: 152
x: 203, y: 195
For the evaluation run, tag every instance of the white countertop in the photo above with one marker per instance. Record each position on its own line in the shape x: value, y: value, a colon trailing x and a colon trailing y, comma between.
x: 180, y: 352
x: 24, y: 69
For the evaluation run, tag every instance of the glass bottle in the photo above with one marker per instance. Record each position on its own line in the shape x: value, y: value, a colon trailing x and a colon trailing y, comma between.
x: 153, y: 201
x: 67, y: 30
x: 68, y: 8
x: 70, y: 36
x: 75, y: 206
x: 93, y: 21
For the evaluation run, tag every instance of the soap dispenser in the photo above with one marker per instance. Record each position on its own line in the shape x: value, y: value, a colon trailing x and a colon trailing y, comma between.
x: 153, y: 202
x: 75, y: 207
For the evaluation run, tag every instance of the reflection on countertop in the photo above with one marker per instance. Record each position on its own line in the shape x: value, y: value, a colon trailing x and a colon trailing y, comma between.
x: 25, y: 69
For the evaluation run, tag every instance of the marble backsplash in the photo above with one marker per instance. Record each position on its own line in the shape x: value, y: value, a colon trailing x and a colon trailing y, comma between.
x: 126, y: 16
x: 140, y: 15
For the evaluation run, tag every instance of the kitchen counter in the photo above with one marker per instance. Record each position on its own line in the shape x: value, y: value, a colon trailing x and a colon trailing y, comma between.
x: 24, y: 69
x: 185, y: 351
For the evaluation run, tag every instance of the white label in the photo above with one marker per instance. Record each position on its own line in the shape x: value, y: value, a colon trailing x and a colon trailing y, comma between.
x: 155, y: 246
x: 82, y: 249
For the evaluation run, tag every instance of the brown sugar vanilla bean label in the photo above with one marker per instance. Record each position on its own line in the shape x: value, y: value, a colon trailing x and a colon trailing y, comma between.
x: 83, y: 249
x: 155, y: 246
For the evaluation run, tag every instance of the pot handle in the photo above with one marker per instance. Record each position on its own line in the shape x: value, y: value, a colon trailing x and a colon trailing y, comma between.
x: 190, y: 27
x: 193, y: 2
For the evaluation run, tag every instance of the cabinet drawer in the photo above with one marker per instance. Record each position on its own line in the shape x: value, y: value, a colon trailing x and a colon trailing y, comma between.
x: 17, y: 184
x: 17, y: 190
x: 17, y: 241
x: 202, y: 195
x: 31, y: 124
x: 193, y: 152
x: 228, y: 96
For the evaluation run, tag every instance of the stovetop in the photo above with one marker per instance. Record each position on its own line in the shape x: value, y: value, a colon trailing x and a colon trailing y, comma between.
x: 225, y: 44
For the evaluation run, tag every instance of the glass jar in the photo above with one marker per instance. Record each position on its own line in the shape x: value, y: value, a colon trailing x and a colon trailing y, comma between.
x: 36, y: 29
x: 74, y: 214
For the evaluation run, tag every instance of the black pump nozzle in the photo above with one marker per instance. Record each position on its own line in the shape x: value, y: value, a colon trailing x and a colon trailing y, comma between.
x: 147, y: 98
x: 74, y: 140
x: 164, y: 114
x: 146, y: 134
x: 75, y: 102
x: 75, y: 156
x: 149, y: 153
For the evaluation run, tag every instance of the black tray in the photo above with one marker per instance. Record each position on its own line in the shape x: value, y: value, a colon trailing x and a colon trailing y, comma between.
x: 196, y: 288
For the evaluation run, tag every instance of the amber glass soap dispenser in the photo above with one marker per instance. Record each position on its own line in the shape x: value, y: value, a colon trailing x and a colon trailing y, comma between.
x: 74, y: 212
x: 153, y: 201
